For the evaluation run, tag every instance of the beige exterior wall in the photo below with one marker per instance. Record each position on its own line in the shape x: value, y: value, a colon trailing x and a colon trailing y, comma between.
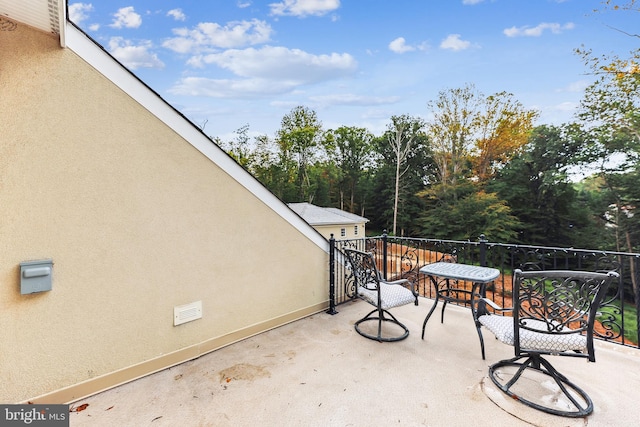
x: 137, y: 221
x: 336, y: 230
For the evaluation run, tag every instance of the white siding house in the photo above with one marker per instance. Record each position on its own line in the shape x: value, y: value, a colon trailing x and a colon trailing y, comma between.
x: 328, y: 221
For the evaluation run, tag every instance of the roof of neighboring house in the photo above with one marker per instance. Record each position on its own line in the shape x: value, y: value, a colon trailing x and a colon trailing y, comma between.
x: 316, y: 215
x: 50, y: 16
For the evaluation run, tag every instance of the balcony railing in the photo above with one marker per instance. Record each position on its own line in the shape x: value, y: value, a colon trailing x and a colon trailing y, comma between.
x: 401, y: 257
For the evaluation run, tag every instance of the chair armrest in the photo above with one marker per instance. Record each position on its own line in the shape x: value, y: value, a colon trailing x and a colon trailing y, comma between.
x: 494, y: 305
x: 395, y: 282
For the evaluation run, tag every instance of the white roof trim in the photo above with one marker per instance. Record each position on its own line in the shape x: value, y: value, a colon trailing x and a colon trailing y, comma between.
x: 86, y: 48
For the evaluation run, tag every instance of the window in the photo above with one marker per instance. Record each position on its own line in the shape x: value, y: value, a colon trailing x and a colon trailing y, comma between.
x: 343, y: 232
x: 355, y: 230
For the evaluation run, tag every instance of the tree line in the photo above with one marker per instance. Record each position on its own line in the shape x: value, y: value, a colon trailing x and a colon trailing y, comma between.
x: 479, y: 165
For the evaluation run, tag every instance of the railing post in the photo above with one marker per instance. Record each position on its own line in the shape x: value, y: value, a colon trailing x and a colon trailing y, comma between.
x: 636, y: 295
x: 384, y: 254
x: 332, y: 276
x: 483, y: 250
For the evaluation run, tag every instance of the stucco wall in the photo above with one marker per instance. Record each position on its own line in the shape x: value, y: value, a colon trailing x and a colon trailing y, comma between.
x: 137, y: 221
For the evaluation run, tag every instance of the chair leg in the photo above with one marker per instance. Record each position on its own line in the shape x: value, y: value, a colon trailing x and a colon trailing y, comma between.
x: 580, y: 401
x: 380, y: 318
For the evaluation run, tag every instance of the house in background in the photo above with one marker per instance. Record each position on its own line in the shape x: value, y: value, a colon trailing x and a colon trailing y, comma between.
x: 156, y: 247
x: 328, y: 221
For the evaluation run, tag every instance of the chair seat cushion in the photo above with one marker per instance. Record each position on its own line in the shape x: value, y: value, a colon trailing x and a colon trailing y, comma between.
x: 502, y: 328
x: 390, y: 295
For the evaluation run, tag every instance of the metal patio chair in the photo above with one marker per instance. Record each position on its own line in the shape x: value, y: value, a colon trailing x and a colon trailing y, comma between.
x: 382, y: 294
x: 553, y: 313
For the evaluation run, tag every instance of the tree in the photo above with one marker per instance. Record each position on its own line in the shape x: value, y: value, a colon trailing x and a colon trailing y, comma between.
x: 400, y: 136
x: 473, y: 136
x: 351, y: 150
x: 503, y: 127
x: 239, y: 147
x: 274, y: 168
x: 536, y: 186
x: 451, y: 133
x: 610, y: 108
x: 299, y: 136
x: 633, y: 5
x: 474, y: 214
x: 610, y: 116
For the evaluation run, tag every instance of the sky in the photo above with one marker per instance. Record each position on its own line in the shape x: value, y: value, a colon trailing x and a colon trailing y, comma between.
x: 228, y: 64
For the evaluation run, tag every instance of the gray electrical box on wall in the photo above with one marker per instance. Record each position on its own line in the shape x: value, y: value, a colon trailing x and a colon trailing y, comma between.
x: 36, y: 276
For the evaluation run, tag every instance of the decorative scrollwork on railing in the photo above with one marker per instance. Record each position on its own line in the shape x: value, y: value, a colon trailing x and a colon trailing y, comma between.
x: 349, y: 284
x: 607, y: 263
x: 610, y: 313
x: 609, y: 325
x: 405, y: 256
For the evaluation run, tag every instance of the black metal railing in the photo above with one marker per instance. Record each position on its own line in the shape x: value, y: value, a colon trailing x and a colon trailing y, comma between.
x: 402, y: 257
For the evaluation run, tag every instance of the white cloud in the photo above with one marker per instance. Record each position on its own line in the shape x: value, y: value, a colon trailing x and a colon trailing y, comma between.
x: 207, y: 35
x: 566, y: 106
x: 281, y: 63
x: 537, y: 31
x: 352, y: 99
x: 229, y: 88
x: 472, y: 1
x: 126, y: 17
x: 243, y: 4
x: 177, y: 14
x: 78, y: 12
x: 265, y: 71
x: 399, y: 46
x: 454, y: 42
x: 302, y: 8
x: 577, y: 86
x: 134, y: 57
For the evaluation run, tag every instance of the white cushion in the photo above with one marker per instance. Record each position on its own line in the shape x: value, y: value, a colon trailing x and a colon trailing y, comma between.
x: 390, y: 295
x: 502, y: 328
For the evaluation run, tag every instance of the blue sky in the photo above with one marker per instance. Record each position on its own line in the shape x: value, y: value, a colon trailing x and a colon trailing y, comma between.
x: 226, y: 64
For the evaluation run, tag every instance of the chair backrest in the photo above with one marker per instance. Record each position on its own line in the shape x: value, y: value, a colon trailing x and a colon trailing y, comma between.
x: 557, y: 303
x: 363, y: 266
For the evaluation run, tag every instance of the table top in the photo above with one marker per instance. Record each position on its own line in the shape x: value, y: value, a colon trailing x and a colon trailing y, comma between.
x: 468, y: 272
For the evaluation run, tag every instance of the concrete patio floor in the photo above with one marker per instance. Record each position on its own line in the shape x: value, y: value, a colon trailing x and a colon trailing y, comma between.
x: 319, y: 372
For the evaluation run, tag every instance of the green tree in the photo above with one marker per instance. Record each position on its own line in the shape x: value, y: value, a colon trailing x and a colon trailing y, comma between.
x: 420, y: 169
x: 451, y: 132
x: 239, y: 148
x: 473, y: 214
x: 473, y: 136
x: 536, y: 185
x: 503, y: 126
x: 401, y: 137
x: 274, y: 168
x: 351, y: 152
x: 610, y: 113
x: 610, y: 117
x: 298, y: 138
